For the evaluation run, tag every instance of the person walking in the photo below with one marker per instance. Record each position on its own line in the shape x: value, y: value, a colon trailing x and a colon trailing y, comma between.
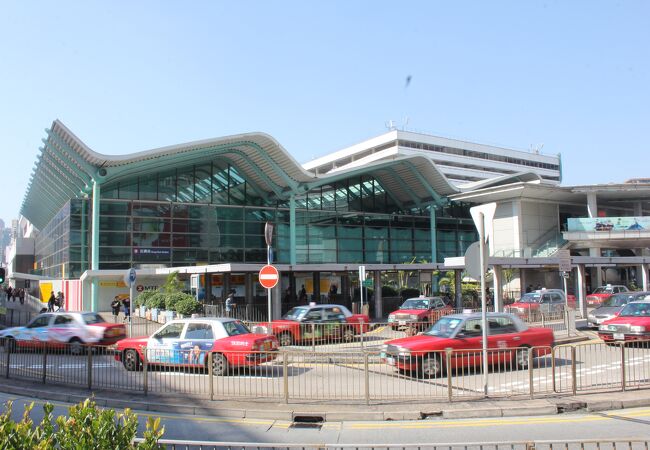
x: 230, y: 302
x: 21, y: 296
x: 60, y: 301
x: 50, y: 302
x: 303, y: 294
x: 115, y: 307
x: 127, y: 309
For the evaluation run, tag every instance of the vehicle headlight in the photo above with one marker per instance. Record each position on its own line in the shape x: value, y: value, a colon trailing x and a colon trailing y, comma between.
x: 637, y: 329
x: 391, y: 318
x: 401, y: 351
x: 413, y: 317
x: 384, y: 348
x: 602, y: 328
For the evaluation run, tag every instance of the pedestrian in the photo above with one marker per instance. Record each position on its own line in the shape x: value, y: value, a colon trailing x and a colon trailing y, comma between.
x: 50, y: 302
x: 303, y: 294
x: 115, y: 307
x: 127, y: 309
x: 60, y: 301
x: 539, y: 287
x: 230, y: 302
x: 529, y: 288
x: 21, y: 296
x: 9, y: 293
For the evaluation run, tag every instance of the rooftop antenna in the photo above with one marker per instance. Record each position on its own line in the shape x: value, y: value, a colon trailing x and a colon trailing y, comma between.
x: 390, y: 125
x: 536, y: 148
x: 406, y: 122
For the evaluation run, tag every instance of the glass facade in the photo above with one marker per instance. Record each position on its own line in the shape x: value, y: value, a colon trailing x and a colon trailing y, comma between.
x: 206, y: 214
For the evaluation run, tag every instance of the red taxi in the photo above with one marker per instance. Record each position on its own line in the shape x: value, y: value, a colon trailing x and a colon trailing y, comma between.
x: 544, y: 301
x: 187, y: 343
x: 631, y: 325
x: 316, y: 322
x: 419, y: 312
x: 71, y: 330
x: 462, y: 333
x: 602, y: 293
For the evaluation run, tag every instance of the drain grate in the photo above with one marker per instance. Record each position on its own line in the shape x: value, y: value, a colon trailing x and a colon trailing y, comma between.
x: 311, y: 422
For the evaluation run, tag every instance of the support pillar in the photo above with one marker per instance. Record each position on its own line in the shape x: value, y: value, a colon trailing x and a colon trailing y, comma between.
x: 458, y: 274
x: 497, y: 288
x: 207, y: 289
x: 596, y: 272
x: 592, y: 205
x: 94, y: 238
x: 644, y: 277
x: 580, y: 279
x: 225, y: 287
x: 249, y: 289
x: 292, y: 230
x: 276, y: 300
x: 379, y: 310
x: 434, y: 242
x: 316, y: 282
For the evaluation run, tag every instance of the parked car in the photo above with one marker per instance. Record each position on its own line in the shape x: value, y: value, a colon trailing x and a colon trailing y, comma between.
x: 611, y: 307
x: 419, y: 312
x: 602, y: 293
x: 60, y: 329
x: 544, y: 301
x: 316, y: 322
x: 187, y: 343
x: 462, y: 333
x: 631, y: 325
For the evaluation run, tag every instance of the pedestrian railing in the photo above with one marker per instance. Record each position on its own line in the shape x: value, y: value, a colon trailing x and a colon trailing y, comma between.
x: 364, y: 377
x: 594, y: 444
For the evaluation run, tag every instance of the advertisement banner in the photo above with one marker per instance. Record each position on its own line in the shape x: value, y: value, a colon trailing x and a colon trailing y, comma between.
x: 609, y: 224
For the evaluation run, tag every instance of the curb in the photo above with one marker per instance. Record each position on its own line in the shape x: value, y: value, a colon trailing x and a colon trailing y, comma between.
x: 463, y: 410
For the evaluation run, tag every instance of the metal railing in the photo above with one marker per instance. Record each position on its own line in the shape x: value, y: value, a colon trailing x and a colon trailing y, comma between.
x: 594, y: 444
x: 362, y: 377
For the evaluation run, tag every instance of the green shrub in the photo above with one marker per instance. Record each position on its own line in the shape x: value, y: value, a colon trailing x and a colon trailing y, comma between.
x: 409, y: 293
x: 157, y: 300
x: 142, y: 298
x: 188, y: 305
x: 86, y: 427
x: 388, y: 291
x: 171, y: 300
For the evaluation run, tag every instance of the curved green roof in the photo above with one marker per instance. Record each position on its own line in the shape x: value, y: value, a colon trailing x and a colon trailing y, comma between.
x: 66, y: 169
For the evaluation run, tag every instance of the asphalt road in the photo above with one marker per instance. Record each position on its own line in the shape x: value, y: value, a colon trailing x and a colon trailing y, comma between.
x: 628, y: 423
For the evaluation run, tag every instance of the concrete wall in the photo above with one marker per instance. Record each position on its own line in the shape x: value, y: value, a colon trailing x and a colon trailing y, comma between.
x: 505, y: 223
x: 537, y: 220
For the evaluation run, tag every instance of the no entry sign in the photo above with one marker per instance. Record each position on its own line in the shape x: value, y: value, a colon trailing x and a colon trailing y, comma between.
x: 269, y: 276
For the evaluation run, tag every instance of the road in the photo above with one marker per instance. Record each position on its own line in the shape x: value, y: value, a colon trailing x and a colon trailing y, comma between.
x: 629, y: 423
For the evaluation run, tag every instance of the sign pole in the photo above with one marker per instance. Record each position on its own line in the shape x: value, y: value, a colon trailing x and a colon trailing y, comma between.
x: 481, y: 236
x: 268, y: 237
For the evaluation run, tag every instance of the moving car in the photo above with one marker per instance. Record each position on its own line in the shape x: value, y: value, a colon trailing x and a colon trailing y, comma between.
x: 602, y: 293
x: 316, y: 322
x: 419, y: 312
x: 544, y: 301
x: 63, y: 329
x: 632, y: 324
x: 611, y: 307
x: 187, y: 343
x: 462, y: 333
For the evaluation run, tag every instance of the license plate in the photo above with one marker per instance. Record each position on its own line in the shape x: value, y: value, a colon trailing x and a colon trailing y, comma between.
x: 390, y: 361
x: 402, y: 322
x: 619, y: 336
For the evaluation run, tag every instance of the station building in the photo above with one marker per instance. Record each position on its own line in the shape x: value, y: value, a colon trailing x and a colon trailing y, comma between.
x: 399, y: 201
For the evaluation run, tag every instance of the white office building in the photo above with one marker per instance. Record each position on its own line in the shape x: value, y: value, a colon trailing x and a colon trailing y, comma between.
x: 463, y: 163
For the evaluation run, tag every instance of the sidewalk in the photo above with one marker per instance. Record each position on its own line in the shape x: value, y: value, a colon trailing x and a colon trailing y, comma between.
x: 337, y: 412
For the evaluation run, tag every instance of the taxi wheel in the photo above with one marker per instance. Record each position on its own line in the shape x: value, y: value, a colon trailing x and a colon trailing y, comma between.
x: 131, y: 360
x: 521, y: 358
x: 285, y: 339
x: 348, y: 334
x: 431, y: 366
x: 219, y: 364
x: 75, y: 346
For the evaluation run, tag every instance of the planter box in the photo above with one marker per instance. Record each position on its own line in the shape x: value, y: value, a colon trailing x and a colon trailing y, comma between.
x: 154, y: 314
x: 169, y: 315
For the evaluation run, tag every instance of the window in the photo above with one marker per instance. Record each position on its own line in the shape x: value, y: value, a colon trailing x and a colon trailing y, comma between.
x: 472, y: 328
x: 171, y: 331
x: 199, y: 331
x: 314, y: 314
x: 39, y: 322
x: 63, y: 320
x: 235, y: 328
x: 502, y: 325
x: 91, y: 318
x: 334, y: 314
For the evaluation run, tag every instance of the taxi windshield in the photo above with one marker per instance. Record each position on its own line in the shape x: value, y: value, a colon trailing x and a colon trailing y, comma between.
x: 91, y: 318
x: 444, y: 328
x: 618, y: 300
x: 415, y: 303
x: 296, y: 313
x: 603, y: 290
x: 235, y: 328
x: 531, y: 297
x: 636, y: 310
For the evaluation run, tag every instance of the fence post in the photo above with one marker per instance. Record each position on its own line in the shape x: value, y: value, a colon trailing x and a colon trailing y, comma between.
x: 44, y: 362
x: 285, y: 376
x: 361, y: 330
x: 210, y: 375
x: 313, y: 337
x: 8, y: 357
x: 530, y: 373
x: 574, y: 377
x: 366, y: 376
x: 623, y: 366
x: 145, y: 385
x: 90, y: 367
x: 553, y: 368
x: 448, y: 366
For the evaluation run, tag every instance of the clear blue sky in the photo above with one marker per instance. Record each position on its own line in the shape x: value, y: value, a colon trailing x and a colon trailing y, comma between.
x: 130, y: 76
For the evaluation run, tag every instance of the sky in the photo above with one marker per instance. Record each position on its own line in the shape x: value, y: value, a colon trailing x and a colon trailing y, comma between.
x: 568, y: 77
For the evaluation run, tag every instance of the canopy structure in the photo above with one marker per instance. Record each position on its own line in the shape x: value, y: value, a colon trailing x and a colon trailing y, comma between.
x: 67, y: 168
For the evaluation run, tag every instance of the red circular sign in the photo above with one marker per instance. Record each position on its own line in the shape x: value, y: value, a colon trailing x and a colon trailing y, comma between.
x: 139, y: 288
x: 269, y: 276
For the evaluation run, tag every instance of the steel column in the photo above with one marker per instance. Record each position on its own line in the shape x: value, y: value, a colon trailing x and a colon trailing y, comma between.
x: 292, y: 230
x: 434, y: 242
x: 94, y: 238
